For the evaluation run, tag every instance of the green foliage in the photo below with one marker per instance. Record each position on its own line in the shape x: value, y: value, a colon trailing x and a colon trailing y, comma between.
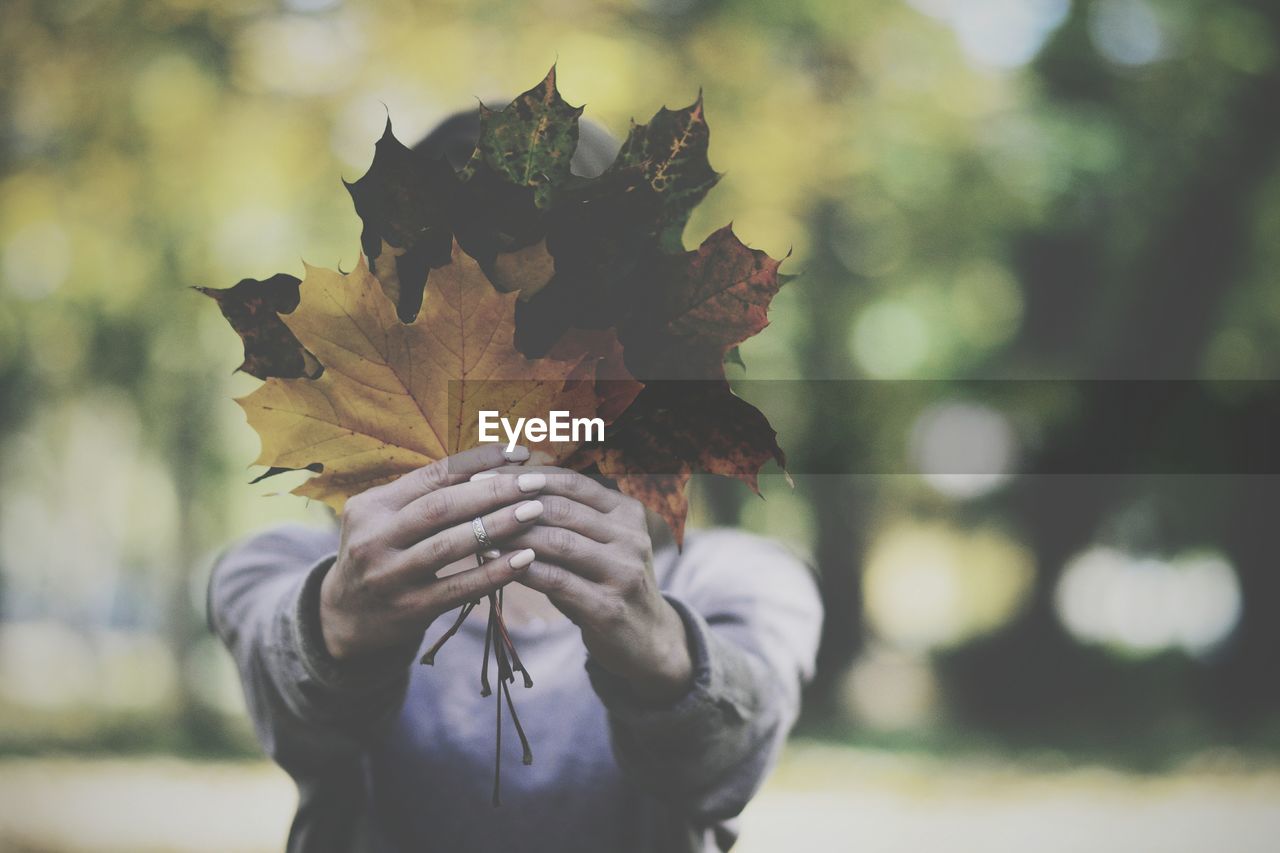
x: 531, y: 140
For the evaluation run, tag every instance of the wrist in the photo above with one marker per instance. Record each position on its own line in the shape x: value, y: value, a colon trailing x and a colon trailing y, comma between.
x: 336, y: 640
x: 668, y: 672
x: 341, y: 674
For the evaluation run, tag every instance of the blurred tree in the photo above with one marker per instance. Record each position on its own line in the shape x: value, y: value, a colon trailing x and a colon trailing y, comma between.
x: 1130, y: 284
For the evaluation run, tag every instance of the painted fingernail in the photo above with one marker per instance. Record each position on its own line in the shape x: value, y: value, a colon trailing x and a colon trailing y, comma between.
x: 483, y: 475
x: 491, y: 554
x: 516, y: 454
x: 521, y: 559
x: 528, y: 510
x: 531, y: 482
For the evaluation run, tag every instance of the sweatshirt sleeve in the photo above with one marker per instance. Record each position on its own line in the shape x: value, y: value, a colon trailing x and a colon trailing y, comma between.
x: 311, y: 713
x: 752, y: 614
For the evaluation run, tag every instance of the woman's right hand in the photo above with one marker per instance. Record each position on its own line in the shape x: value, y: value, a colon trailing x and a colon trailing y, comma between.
x: 383, y: 590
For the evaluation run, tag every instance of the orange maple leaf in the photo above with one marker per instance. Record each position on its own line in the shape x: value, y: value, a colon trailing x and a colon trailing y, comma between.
x: 394, y: 396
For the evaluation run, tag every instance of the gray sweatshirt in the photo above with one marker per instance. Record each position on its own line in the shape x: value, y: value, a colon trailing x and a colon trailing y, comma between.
x: 392, y: 756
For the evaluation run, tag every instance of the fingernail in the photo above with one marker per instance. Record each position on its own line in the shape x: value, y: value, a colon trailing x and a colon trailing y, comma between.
x: 483, y: 475
x: 491, y: 554
x: 520, y: 559
x: 528, y: 510
x: 531, y: 482
x: 516, y: 454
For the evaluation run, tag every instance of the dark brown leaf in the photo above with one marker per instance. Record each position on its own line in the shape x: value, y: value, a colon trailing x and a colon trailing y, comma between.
x: 677, y: 428
x: 253, y: 309
x: 708, y: 301
x: 405, y: 202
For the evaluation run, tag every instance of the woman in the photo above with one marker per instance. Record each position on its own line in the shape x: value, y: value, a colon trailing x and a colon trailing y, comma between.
x: 667, y: 680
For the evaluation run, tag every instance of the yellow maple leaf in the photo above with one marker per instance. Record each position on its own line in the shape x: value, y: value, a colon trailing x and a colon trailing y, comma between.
x: 394, y: 396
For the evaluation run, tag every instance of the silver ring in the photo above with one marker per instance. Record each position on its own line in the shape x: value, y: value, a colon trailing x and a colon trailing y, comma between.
x: 482, y: 535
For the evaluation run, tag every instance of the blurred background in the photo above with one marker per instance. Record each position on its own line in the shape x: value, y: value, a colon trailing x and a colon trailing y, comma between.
x: 971, y: 189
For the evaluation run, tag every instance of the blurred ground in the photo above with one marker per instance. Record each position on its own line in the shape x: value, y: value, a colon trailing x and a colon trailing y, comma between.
x: 823, y: 797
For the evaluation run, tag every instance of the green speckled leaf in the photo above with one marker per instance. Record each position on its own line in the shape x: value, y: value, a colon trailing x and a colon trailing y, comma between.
x: 672, y: 148
x: 531, y: 141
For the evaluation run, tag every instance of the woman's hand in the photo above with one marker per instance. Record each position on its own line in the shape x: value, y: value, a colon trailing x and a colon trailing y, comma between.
x: 595, y: 563
x: 383, y: 591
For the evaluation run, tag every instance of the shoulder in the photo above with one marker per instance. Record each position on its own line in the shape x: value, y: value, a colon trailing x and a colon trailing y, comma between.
x: 278, y: 547
x: 723, y: 555
x: 727, y: 544
x: 753, y: 589
x: 259, y: 570
x: 299, y: 539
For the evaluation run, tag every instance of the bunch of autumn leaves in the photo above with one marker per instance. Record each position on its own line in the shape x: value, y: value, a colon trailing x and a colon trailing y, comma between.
x: 514, y: 285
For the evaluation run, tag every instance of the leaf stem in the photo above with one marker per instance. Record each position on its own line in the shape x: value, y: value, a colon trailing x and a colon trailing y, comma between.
x: 527, y: 758
x: 497, y: 640
x: 485, y: 689
x: 429, y: 658
x: 497, y: 752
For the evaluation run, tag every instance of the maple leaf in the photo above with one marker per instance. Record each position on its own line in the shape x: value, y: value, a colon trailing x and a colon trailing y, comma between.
x: 530, y: 142
x: 394, y: 396
x: 607, y: 233
x: 616, y: 389
x: 707, y: 301
x: 600, y: 232
x: 413, y: 207
x: 253, y: 308
x: 405, y: 201
x: 674, y: 428
x: 525, y: 270
x: 491, y: 215
x: 671, y: 149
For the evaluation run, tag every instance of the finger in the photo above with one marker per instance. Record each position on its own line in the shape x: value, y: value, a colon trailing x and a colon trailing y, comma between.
x: 459, y: 503
x: 570, y: 549
x: 432, y: 554
x: 457, y: 589
x: 580, y: 518
x: 446, y: 472
x: 575, y: 485
x: 571, y: 594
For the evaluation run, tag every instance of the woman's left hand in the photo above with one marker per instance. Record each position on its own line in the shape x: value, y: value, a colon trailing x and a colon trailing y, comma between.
x: 595, y: 563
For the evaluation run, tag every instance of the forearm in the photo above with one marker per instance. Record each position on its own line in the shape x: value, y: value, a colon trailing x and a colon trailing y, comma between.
x: 309, y: 710
x: 708, y: 751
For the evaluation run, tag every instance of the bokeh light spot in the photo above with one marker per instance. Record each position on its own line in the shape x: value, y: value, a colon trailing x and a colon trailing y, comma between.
x: 963, y: 450
x: 37, y: 260
x: 1126, y: 32
x: 933, y: 586
x: 999, y: 33
x: 890, y: 340
x: 891, y: 690
x: 1143, y: 605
